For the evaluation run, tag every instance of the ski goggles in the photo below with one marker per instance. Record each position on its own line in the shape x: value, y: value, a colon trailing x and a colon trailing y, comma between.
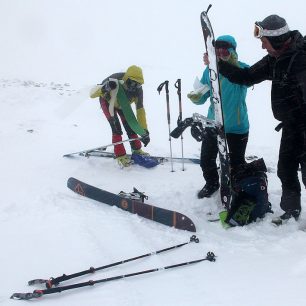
x: 132, y: 85
x: 259, y: 31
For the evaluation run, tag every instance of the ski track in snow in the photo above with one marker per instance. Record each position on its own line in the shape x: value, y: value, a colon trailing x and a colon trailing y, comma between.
x: 46, y: 230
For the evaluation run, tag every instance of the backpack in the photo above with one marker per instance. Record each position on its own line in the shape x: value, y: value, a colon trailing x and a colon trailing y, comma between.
x: 249, y: 194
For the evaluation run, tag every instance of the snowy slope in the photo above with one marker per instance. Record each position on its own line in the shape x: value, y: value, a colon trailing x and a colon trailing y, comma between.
x: 46, y: 230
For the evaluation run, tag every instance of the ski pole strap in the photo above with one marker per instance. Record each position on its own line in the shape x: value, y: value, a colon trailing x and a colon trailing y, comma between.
x: 159, y: 89
x: 128, y: 112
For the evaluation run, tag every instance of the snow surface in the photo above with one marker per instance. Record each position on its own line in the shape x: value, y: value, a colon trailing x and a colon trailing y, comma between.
x: 51, y: 53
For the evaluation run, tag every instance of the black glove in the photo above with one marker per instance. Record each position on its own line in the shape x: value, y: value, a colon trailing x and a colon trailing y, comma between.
x: 197, y: 131
x: 109, y: 85
x: 145, y: 138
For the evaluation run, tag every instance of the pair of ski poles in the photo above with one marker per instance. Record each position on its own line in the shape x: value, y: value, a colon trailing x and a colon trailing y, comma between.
x: 177, y: 85
x: 53, y: 283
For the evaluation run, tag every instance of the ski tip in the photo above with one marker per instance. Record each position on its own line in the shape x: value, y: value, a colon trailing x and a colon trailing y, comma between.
x: 70, y: 181
x: 209, y: 6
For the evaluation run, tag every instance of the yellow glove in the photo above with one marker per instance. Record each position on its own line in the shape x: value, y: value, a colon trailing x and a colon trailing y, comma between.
x: 96, y: 91
x: 194, y: 96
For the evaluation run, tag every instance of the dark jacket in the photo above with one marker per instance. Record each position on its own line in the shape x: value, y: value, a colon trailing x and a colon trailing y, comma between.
x: 288, y: 76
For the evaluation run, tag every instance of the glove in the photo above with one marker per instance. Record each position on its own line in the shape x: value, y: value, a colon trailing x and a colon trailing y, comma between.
x: 194, y: 96
x: 145, y: 139
x: 197, y: 131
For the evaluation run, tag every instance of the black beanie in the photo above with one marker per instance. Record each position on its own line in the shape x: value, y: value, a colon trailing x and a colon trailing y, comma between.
x: 278, y: 28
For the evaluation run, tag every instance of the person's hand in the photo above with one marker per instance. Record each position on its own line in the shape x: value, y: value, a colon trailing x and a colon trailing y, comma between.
x: 145, y: 138
x: 205, y: 59
x: 196, y: 131
x: 194, y: 96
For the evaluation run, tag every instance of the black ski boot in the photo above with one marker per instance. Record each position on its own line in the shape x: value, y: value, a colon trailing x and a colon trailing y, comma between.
x: 208, y: 190
x: 286, y: 216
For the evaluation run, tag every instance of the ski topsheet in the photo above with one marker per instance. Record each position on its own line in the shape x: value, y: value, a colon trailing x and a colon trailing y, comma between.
x: 209, y: 39
x: 148, y: 211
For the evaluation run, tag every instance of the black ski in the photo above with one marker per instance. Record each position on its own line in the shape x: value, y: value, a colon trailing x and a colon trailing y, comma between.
x: 148, y: 211
x: 209, y: 39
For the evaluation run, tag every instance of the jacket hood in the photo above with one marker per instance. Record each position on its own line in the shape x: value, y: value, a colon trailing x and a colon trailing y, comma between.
x: 231, y: 40
x: 298, y: 41
x: 134, y: 73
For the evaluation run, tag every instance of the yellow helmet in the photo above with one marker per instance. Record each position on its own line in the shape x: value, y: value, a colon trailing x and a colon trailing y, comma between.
x: 134, y: 73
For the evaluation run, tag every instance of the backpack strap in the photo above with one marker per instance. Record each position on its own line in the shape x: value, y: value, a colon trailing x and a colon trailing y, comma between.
x: 285, y: 77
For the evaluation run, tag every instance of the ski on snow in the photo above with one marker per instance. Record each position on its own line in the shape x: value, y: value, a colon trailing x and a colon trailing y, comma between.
x: 160, y: 159
x: 145, y: 210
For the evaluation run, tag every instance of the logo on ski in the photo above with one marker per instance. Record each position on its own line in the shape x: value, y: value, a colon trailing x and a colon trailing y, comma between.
x: 78, y: 189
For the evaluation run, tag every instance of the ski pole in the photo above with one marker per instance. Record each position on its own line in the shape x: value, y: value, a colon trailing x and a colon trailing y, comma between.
x: 102, y: 148
x: 159, y: 89
x: 57, y: 280
x: 39, y: 293
x: 178, y: 86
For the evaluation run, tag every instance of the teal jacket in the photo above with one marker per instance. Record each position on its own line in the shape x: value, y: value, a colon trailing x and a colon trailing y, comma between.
x: 235, y: 113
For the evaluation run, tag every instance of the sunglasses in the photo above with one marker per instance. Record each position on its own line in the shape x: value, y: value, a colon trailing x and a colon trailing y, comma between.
x: 219, y: 44
x: 220, y: 52
x: 132, y: 85
x: 259, y: 31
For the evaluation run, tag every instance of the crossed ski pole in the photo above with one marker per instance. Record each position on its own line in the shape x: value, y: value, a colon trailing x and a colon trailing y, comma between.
x: 159, y: 89
x: 178, y: 86
x: 55, y: 281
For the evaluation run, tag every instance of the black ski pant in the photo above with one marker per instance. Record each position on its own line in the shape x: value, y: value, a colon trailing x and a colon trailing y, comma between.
x: 209, y: 151
x: 291, y: 156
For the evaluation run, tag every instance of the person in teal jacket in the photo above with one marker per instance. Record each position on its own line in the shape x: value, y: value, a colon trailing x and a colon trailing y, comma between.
x: 236, y: 122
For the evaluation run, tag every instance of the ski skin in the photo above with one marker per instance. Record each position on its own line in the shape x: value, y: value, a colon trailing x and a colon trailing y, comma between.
x: 161, y: 215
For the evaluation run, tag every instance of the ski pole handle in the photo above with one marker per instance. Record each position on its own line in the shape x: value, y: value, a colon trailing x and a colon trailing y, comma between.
x: 159, y: 89
x: 178, y: 86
